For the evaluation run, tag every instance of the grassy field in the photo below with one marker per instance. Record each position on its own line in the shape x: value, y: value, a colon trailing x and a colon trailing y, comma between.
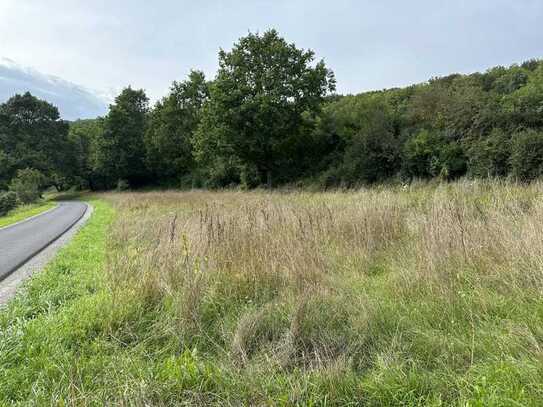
x: 429, y: 295
x: 24, y: 212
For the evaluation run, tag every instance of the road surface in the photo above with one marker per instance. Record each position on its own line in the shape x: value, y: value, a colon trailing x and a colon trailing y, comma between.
x: 22, y: 241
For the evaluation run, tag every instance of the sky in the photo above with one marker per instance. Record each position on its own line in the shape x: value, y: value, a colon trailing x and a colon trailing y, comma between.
x: 92, y: 49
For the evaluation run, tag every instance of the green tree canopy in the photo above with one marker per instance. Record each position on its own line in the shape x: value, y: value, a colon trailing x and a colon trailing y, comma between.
x: 269, y: 114
x: 173, y: 122
x: 489, y: 156
x: 431, y: 154
x: 369, y: 147
x: 121, y: 150
x: 527, y: 155
x: 255, y: 114
x: 32, y: 135
x: 85, y: 137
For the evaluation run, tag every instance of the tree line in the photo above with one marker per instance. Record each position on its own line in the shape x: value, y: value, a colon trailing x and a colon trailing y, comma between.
x: 271, y: 117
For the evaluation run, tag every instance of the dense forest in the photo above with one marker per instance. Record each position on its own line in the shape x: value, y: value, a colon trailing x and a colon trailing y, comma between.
x: 271, y: 117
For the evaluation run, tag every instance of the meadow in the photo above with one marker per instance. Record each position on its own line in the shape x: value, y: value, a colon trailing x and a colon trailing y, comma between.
x: 428, y: 294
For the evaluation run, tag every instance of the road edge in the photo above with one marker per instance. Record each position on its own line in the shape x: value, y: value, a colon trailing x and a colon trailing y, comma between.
x: 10, y: 284
x: 30, y: 218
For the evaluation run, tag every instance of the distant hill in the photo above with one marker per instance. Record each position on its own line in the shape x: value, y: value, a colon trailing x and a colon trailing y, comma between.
x: 73, y: 101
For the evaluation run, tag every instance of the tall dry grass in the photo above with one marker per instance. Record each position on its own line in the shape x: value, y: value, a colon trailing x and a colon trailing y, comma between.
x: 444, y: 278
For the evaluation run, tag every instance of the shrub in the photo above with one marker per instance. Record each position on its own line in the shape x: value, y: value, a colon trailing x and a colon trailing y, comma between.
x: 360, y: 135
x: 8, y: 201
x: 122, y: 185
x: 489, y: 156
x: 371, y: 157
x: 527, y: 155
x: 431, y: 154
x: 28, y: 185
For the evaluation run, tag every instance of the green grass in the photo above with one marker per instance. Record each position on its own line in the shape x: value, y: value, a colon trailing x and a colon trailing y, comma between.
x: 45, y: 332
x: 24, y: 212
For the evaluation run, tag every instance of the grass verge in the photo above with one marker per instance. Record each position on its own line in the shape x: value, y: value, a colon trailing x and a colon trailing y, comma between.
x: 24, y: 212
x: 41, y: 327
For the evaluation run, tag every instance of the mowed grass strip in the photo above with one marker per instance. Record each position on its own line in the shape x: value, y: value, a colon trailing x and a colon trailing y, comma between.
x: 385, y: 296
x: 43, y: 329
x: 24, y: 212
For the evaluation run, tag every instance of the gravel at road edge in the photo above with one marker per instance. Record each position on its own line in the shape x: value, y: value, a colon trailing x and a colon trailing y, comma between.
x: 9, y: 286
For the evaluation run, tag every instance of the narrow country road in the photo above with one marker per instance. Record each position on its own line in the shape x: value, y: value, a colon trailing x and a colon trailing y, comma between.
x: 22, y: 241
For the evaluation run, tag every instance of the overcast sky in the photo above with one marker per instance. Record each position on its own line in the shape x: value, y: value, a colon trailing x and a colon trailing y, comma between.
x: 104, y: 45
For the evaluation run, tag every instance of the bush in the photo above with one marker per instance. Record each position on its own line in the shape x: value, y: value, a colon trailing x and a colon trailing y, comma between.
x: 8, y: 201
x: 527, y: 155
x: 431, y: 154
x: 122, y: 185
x: 27, y: 185
x: 489, y: 156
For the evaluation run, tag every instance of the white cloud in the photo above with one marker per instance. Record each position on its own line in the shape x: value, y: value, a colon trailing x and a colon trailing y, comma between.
x: 73, y: 101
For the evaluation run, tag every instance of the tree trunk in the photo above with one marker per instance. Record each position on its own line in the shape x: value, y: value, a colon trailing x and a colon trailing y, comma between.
x: 269, y: 179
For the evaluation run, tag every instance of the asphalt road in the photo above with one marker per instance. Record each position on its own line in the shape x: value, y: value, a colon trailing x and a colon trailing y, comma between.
x: 22, y: 241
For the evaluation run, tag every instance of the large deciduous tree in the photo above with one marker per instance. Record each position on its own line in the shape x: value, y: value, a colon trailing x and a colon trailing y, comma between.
x: 32, y: 135
x: 121, y: 150
x: 255, y: 115
x: 86, y: 137
x: 174, y: 119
